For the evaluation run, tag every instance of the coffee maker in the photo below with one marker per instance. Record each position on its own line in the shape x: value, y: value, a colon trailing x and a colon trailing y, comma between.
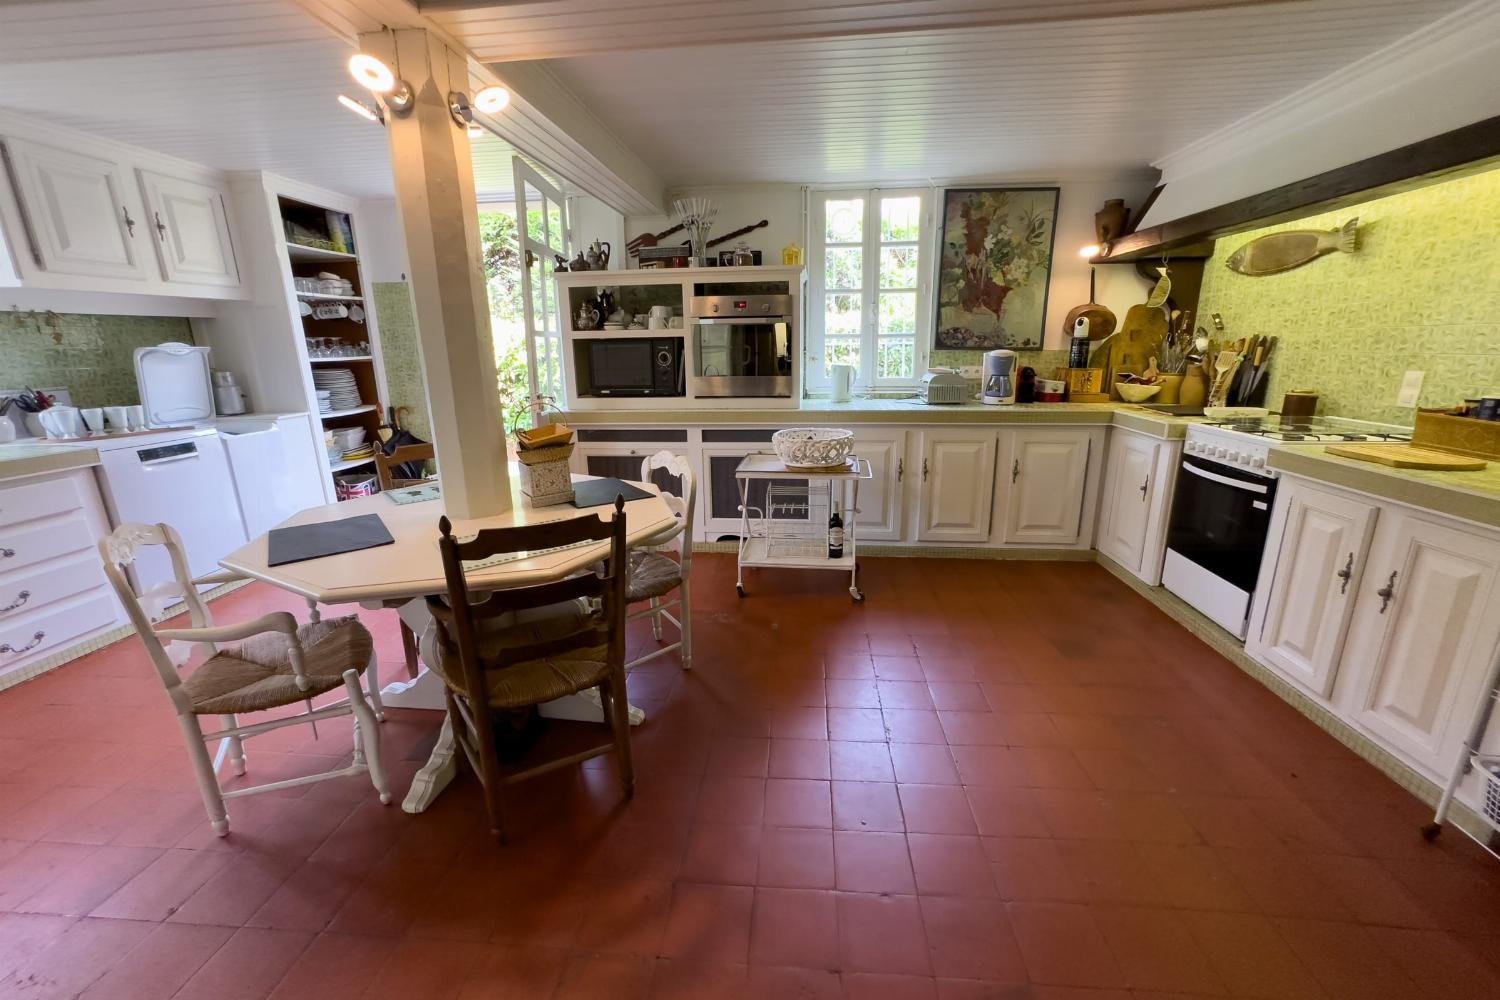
x: 999, y: 378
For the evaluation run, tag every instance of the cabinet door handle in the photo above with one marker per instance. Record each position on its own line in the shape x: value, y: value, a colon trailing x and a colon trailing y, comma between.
x: 1145, y: 487
x: 924, y: 470
x: 1387, y: 592
x: 129, y: 223
x: 1015, y: 470
x: 161, y: 227
x: 1345, y: 573
x: 6, y: 553
x: 6, y: 647
x: 900, y: 469
x: 21, y: 599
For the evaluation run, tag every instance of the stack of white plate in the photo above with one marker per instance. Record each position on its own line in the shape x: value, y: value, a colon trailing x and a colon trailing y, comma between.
x: 343, y: 391
x: 325, y: 404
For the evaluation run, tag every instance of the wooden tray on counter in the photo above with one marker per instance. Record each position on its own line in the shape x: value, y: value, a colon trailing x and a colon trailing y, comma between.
x: 1406, y: 456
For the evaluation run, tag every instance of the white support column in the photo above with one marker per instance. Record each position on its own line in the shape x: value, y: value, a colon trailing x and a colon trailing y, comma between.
x: 435, y: 195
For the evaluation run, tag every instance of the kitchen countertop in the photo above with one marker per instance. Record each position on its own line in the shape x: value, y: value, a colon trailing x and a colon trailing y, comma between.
x: 1473, y: 496
x: 899, y: 411
x: 17, y: 460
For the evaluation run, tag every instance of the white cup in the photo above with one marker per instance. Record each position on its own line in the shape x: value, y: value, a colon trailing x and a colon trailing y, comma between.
x: 116, y: 417
x: 93, y: 416
x: 135, y: 416
x: 656, y: 323
x: 660, y: 317
x: 62, y: 422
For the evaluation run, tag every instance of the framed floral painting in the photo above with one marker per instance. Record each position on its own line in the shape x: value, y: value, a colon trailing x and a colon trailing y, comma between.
x: 993, y: 269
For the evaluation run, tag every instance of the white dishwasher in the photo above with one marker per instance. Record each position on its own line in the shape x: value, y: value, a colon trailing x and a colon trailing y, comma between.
x: 180, y: 477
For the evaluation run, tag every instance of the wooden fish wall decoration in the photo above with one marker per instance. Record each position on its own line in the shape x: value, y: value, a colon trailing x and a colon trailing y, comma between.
x: 1280, y: 252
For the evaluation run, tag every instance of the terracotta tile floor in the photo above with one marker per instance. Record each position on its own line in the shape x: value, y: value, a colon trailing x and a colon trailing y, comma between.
x: 991, y: 780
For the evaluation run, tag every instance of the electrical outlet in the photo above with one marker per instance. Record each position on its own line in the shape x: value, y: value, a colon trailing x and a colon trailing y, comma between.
x: 972, y: 372
x: 1411, y: 389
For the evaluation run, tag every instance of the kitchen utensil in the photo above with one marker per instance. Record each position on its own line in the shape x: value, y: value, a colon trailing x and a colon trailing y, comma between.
x: 659, y: 317
x: 1102, y: 322
x: 1194, y: 391
x: 598, y: 255
x: 697, y: 215
x: 1136, y: 393
x: 1406, y: 456
x: 1299, y: 403
x: 1223, y: 368
x: 93, y: 418
x: 1138, y: 339
x: 62, y: 422
x: 763, y: 223
x: 650, y: 240
x: 842, y: 377
x: 1170, y: 384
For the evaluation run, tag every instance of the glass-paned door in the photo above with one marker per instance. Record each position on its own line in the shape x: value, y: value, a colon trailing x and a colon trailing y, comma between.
x: 542, y: 223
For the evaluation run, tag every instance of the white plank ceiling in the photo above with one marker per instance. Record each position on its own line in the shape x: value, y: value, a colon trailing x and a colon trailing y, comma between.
x: 1082, y: 95
x: 238, y: 86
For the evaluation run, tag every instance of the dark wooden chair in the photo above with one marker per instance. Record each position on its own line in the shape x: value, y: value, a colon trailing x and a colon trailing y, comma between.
x: 524, y: 646
x: 385, y: 469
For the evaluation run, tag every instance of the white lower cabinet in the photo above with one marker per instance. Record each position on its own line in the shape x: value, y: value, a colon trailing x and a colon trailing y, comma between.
x: 1426, y: 627
x: 880, y: 496
x: 1298, y: 622
x: 52, y: 588
x: 956, y: 493
x: 1043, y: 485
x: 1139, y: 475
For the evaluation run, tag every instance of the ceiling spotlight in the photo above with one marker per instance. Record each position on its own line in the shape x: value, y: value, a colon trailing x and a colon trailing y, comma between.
x: 362, y: 109
x: 491, y: 100
x: 1092, y: 250
x: 371, y: 73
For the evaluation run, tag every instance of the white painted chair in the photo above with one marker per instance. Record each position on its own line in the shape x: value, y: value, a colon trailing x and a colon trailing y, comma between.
x: 655, y: 574
x: 278, y: 663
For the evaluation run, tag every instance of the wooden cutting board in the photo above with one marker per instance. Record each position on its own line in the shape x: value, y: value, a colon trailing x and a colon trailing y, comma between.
x: 1137, y: 342
x: 1406, y: 456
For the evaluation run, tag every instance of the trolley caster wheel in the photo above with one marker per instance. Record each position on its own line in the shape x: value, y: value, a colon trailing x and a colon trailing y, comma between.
x: 856, y: 596
x: 739, y: 589
x: 1431, y: 830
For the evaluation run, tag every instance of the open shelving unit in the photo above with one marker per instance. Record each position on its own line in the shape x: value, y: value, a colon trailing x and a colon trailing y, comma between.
x: 336, y: 254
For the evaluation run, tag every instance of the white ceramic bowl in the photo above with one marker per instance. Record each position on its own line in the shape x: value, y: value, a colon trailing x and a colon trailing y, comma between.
x: 349, y: 438
x: 1133, y: 392
x: 813, y: 447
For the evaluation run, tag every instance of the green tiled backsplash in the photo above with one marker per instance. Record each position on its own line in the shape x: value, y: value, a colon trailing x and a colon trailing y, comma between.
x: 91, y: 356
x: 400, y: 355
x: 1422, y: 293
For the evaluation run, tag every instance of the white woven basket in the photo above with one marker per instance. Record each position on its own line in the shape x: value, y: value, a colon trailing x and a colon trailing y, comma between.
x: 813, y: 447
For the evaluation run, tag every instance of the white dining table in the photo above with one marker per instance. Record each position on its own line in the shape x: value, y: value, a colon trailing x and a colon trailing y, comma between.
x: 403, y: 574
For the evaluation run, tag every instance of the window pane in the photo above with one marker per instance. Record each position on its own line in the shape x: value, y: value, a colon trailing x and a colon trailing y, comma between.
x: 841, y: 317
x: 534, y: 214
x: 896, y: 358
x: 900, y: 218
x: 554, y: 225
x: 898, y: 313
x: 841, y: 351
x: 845, y: 220
x: 844, y: 268
x: 898, y: 267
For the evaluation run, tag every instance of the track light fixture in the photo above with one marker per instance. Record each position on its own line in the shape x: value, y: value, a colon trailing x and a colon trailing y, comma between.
x: 378, y: 78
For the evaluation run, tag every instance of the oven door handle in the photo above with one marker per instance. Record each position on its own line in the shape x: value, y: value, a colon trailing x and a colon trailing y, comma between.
x: 739, y: 320
x: 1238, y: 484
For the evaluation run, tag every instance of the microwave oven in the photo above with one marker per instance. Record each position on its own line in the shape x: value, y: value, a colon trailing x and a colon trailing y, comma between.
x: 633, y: 366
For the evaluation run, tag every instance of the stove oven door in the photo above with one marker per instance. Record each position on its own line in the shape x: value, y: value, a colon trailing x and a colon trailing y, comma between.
x: 1216, y: 537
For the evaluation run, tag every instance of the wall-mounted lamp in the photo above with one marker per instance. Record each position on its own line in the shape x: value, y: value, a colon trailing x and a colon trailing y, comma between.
x: 376, y: 77
x: 491, y: 100
x: 362, y: 109
x: 458, y: 107
x: 1092, y: 250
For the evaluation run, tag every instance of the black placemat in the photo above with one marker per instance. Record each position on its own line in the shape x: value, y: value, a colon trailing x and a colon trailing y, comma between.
x: 598, y: 492
x: 328, y: 538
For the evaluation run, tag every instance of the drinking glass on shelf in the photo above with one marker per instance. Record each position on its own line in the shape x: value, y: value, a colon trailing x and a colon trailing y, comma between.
x: 364, y: 348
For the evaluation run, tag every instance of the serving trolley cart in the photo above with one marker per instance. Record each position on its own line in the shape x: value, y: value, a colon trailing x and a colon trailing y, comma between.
x: 789, y: 527
x: 1473, y: 758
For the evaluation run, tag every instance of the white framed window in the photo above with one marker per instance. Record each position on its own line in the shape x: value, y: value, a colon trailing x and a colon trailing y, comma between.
x: 870, y: 281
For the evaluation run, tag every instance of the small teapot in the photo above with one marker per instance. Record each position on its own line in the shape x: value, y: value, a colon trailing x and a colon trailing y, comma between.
x: 588, y: 317
x: 579, y: 264
x: 598, y: 256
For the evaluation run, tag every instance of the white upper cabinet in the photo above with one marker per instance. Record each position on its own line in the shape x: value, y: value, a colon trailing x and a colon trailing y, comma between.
x: 957, y: 486
x: 1425, y: 629
x: 78, y: 211
x: 190, y: 226
x: 1298, y: 628
x: 1044, y: 475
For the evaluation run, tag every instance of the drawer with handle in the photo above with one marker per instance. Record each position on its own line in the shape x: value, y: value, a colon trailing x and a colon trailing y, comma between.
x: 26, y: 636
x: 37, y: 541
x: 35, y: 588
x: 19, y: 504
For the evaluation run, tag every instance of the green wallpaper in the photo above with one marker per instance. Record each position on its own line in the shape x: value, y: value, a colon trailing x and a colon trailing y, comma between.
x: 92, y: 356
x: 1422, y: 293
x: 400, y: 353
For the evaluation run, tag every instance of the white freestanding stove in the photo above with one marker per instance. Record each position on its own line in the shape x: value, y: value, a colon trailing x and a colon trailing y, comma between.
x: 1221, y: 508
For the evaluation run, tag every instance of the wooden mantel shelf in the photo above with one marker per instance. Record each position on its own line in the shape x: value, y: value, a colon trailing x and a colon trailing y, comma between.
x: 1462, y: 151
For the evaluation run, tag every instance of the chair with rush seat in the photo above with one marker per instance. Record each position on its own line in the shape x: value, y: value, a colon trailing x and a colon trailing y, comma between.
x: 523, y: 646
x: 655, y: 573
x: 278, y: 663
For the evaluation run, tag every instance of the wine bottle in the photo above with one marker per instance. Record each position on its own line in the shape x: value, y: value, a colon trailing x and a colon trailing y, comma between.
x: 835, y: 534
